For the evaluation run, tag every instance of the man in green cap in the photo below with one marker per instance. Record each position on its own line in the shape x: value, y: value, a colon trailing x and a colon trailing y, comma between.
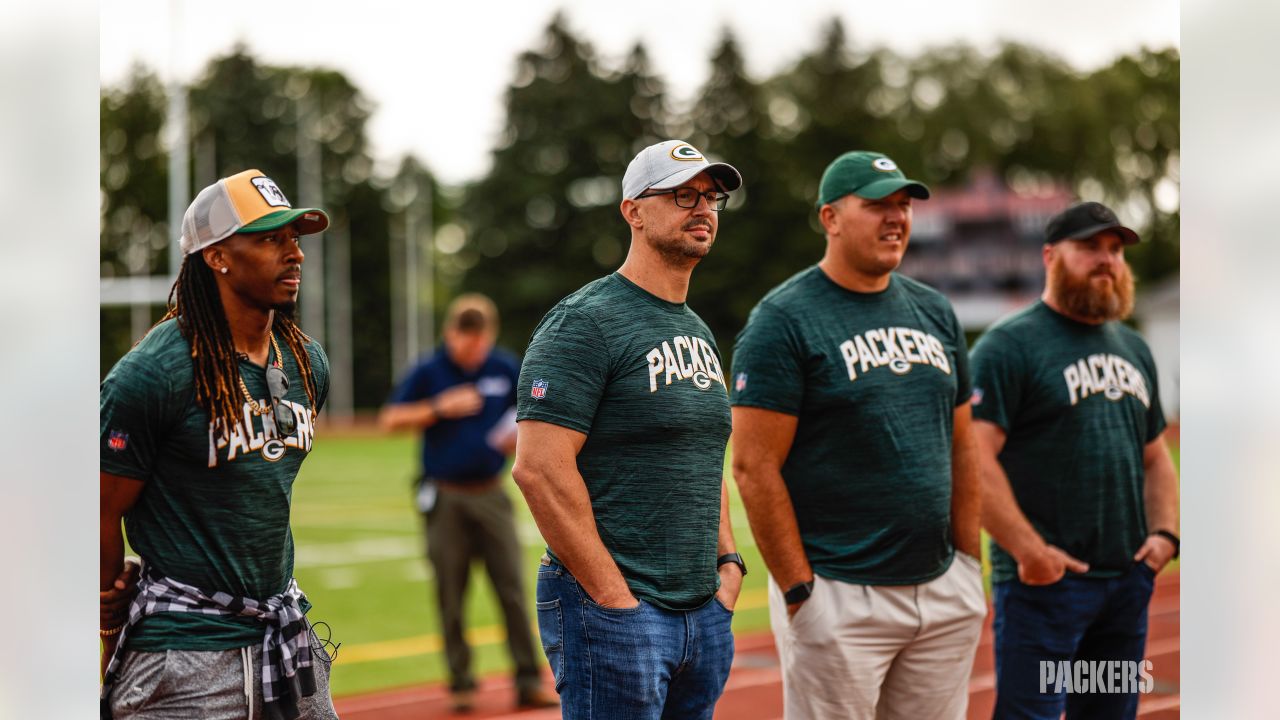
x: 853, y: 452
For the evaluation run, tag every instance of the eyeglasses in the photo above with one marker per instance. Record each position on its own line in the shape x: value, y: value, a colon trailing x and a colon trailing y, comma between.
x: 687, y: 197
x: 278, y: 386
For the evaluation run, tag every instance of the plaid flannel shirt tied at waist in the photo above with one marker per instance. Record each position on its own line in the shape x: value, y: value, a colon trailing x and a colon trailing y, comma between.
x: 287, y: 675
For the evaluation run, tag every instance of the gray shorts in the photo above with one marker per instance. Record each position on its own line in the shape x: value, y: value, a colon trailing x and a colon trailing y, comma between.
x: 211, y: 685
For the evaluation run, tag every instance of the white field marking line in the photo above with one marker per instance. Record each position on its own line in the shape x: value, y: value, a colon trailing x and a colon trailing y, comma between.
x: 346, y: 526
x: 340, y: 518
x: 339, y: 578
x: 348, y: 577
x: 356, y: 552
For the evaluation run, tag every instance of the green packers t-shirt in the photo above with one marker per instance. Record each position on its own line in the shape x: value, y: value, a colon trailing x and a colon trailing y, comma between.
x: 1078, y: 404
x: 874, y: 380
x: 642, y: 378
x: 214, y: 508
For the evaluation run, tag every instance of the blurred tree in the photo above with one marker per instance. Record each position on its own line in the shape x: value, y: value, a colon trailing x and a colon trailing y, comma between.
x: 1135, y: 152
x: 248, y: 115
x: 544, y: 220
x: 731, y: 122
x: 134, y: 176
x: 831, y: 102
x: 245, y: 114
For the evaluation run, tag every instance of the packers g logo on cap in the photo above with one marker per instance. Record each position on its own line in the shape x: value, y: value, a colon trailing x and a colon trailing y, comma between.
x: 884, y: 164
x: 685, y: 152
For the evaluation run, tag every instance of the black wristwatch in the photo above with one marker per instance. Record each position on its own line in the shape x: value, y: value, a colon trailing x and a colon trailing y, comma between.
x: 734, y: 558
x: 1177, y: 544
x: 798, y: 593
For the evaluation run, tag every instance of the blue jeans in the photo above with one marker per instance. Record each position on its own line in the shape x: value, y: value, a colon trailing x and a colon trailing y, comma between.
x: 1076, y: 618
x: 641, y: 663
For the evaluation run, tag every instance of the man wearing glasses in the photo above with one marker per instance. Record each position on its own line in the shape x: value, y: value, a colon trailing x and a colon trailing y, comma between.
x: 623, y: 420
x: 853, y: 451
x: 203, y: 426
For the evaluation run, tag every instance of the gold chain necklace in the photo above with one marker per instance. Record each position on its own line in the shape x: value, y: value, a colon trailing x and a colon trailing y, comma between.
x: 254, y: 406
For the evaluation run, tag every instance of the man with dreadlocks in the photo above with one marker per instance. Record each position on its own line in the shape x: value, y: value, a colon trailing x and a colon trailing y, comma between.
x: 203, y: 425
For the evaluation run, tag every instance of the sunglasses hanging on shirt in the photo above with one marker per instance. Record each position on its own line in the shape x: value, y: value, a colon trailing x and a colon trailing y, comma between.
x: 278, y: 386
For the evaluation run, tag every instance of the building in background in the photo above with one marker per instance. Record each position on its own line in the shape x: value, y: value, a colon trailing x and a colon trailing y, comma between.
x: 981, y: 246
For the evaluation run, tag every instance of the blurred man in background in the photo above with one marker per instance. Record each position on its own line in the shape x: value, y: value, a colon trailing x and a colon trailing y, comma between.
x: 1081, y: 496
x: 204, y: 425
x: 462, y: 399
x: 623, y: 424
x: 853, y: 451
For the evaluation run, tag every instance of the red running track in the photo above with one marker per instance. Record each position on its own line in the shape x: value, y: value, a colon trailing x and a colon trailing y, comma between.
x: 754, y: 690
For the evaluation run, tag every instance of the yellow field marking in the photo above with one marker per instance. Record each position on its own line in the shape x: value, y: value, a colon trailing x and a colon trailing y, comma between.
x: 352, y: 653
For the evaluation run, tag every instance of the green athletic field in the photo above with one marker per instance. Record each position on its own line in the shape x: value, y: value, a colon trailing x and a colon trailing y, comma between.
x: 360, y: 560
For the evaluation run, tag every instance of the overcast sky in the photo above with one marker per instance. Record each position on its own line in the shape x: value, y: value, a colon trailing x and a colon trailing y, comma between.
x: 436, y: 71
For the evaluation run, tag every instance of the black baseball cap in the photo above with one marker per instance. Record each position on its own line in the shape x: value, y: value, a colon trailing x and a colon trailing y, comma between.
x: 1083, y: 221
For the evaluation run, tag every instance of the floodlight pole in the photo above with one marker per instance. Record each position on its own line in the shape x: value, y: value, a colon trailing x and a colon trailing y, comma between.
x: 411, y: 319
x: 179, y: 170
x: 428, y: 311
x: 398, y: 344
x: 341, y: 401
x: 311, y: 191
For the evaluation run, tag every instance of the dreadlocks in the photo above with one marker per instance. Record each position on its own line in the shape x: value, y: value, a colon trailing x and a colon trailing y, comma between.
x: 195, y: 302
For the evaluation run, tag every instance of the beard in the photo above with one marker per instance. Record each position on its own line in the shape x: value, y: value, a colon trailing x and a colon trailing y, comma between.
x: 1081, y: 297
x: 286, y: 308
x: 678, y: 249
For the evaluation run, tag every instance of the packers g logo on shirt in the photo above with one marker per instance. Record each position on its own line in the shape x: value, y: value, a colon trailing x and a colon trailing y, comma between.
x: 273, y: 450
x: 685, y: 152
x: 899, y: 366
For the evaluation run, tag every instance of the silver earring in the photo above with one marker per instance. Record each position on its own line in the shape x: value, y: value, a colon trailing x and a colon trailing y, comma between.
x: 224, y: 271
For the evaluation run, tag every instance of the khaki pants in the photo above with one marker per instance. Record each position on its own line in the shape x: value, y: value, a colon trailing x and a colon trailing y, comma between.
x: 881, y: 651
x: 467, y: 524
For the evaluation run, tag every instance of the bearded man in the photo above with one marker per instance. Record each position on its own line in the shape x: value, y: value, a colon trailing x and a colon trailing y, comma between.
x: 1080, y: 496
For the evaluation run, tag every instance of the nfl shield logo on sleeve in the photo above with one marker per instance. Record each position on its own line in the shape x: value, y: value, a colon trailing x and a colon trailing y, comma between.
x: 117, y: 440
x: 539, y: 390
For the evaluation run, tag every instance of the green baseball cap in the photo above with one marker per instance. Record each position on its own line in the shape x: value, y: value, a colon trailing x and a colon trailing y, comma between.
x: 870, y: 175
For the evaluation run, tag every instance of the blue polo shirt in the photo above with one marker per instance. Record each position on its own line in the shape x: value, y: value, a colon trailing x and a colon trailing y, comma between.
x: 456, y: 450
